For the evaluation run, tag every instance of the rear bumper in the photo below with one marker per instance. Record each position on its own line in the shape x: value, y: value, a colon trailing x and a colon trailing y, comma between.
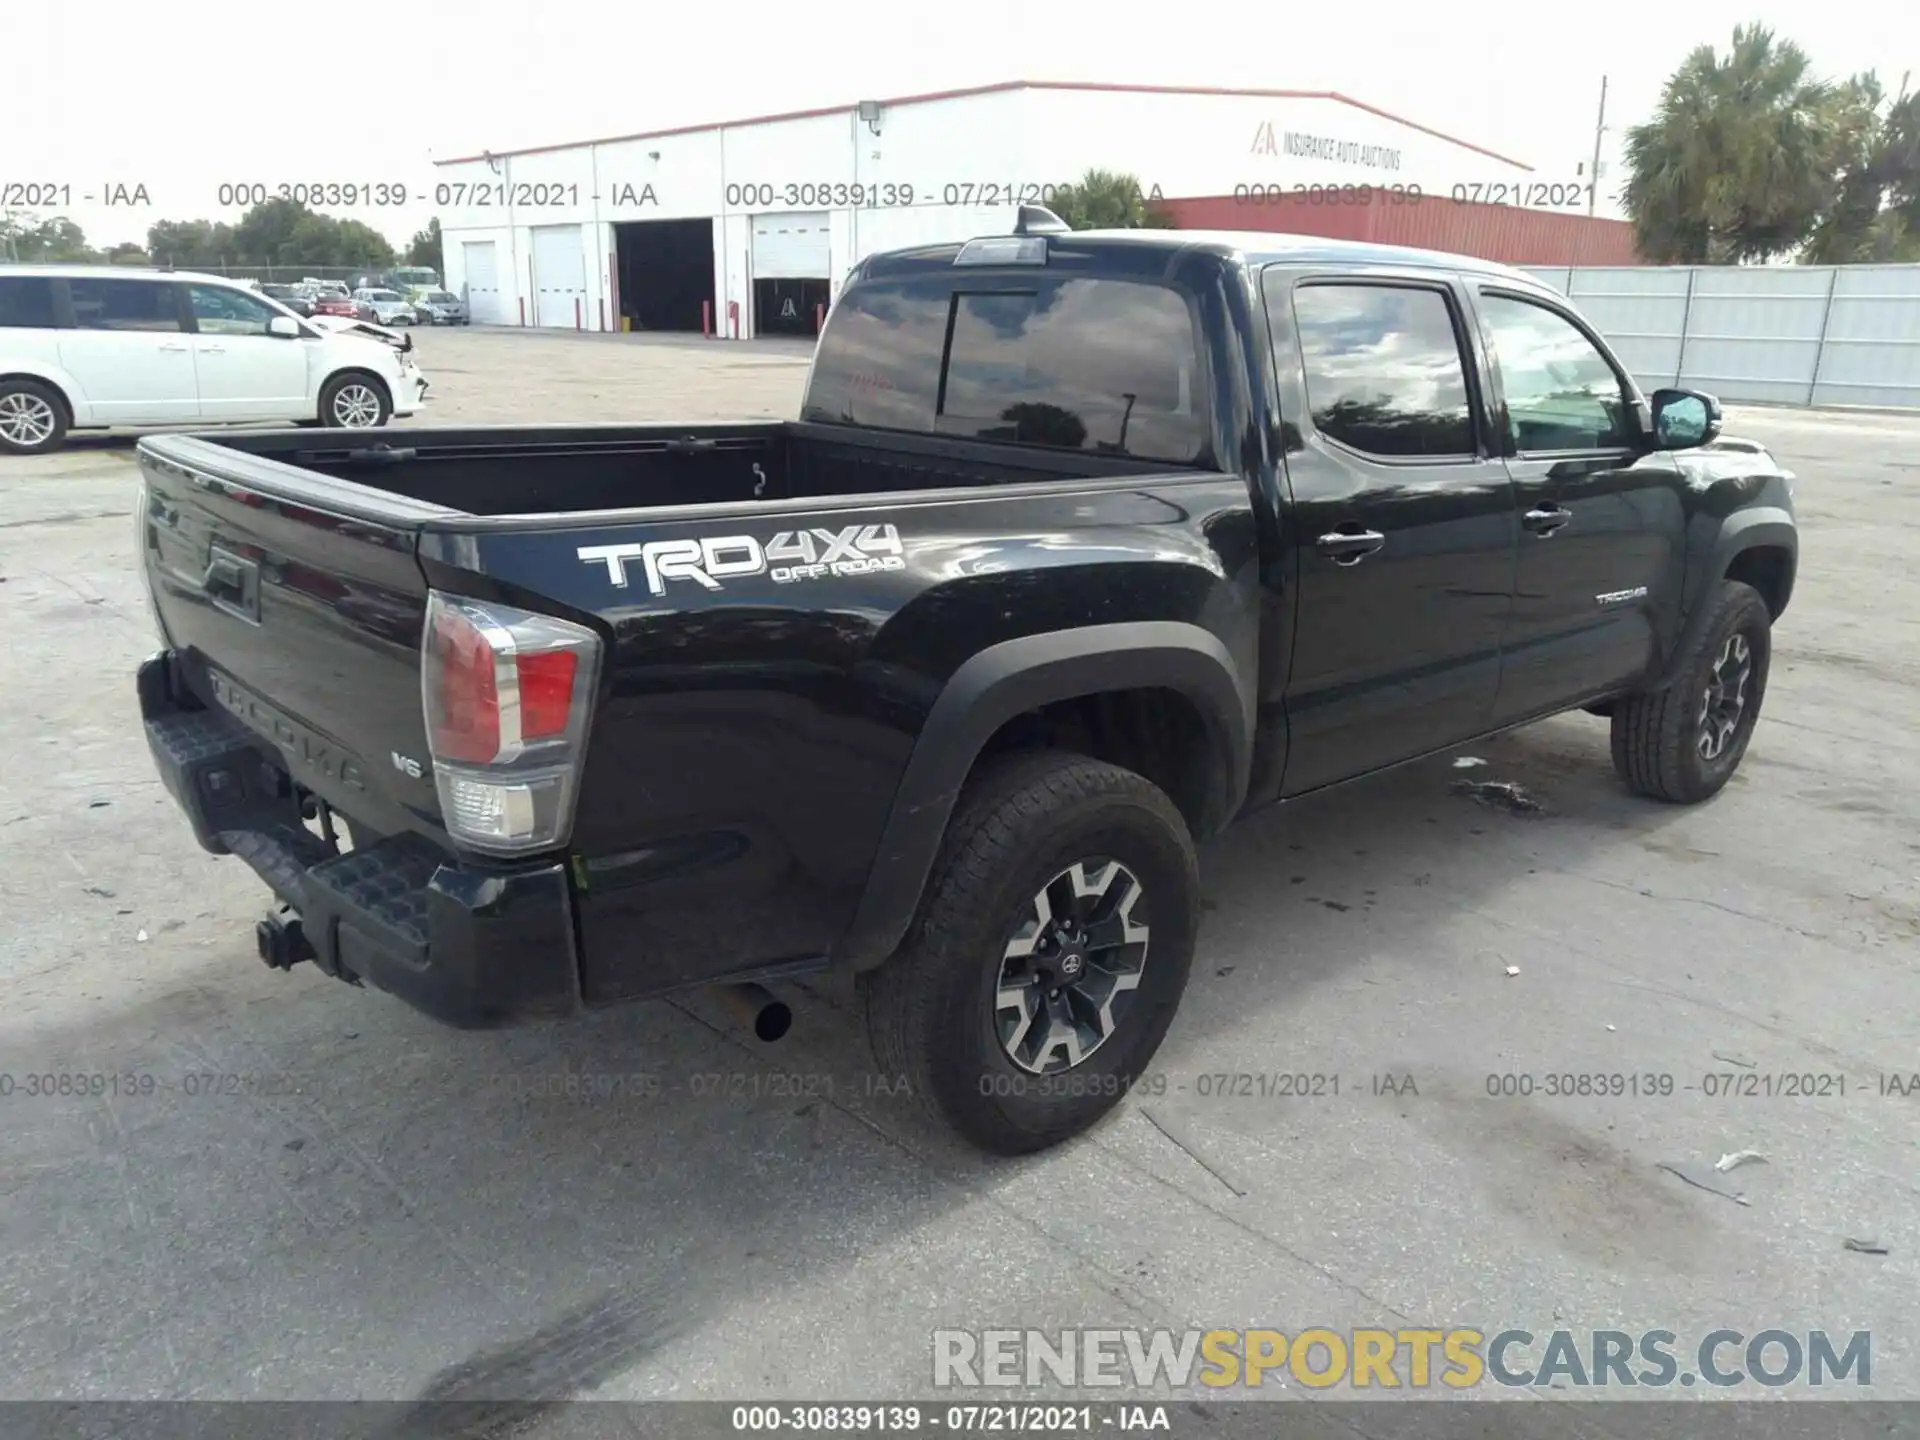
x: 472, y: 946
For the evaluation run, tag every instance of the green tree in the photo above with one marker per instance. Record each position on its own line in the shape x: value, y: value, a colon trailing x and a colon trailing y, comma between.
x: 1107, y: 200
x: 25, y: 239
x: 192, y: 244
x: 425, y: 248
x: 1873, y: 214
x: 364, y: 245
x: 265, y: 235
x: 280, y: 232
x: 1737, y: 162
x: 128, y: 253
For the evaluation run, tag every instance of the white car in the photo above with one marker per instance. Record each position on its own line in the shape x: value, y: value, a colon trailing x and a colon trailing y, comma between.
x: 86, y: 347
x: 390, y: 307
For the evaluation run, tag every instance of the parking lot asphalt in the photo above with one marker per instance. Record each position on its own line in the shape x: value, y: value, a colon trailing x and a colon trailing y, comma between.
x: 301, y: 1190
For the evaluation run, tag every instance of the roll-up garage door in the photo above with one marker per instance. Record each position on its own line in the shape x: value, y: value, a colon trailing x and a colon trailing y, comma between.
x: 790, y: 247
x: 482, y: 266
x: 559, y: 276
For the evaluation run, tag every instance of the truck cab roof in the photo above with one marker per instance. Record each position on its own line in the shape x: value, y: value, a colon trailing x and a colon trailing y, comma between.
x: 1254, y: 247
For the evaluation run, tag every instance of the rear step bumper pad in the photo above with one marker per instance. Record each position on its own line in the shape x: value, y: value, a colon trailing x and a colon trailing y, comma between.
x: 473, y: 947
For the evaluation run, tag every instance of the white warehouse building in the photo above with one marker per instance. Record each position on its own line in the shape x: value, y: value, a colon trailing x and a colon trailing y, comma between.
x: 746, y: 228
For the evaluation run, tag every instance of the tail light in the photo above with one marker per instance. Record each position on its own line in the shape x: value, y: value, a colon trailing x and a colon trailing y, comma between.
x: 507, y: 694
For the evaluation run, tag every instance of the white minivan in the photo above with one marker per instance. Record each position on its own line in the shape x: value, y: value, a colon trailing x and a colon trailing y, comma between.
x: 88, y: 346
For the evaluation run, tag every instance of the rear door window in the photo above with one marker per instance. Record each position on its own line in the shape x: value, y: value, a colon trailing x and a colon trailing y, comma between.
x: 26, y: 302
x: 1078, y: 364
x: 1384, y: 369
x: 142, y: 305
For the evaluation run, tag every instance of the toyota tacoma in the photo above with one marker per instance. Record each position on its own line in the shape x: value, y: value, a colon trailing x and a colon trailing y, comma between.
x: 1083, y: 544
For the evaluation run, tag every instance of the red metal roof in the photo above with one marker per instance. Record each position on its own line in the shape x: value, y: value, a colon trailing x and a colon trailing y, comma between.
x: 1003, y: 85
x: 1508, y: 234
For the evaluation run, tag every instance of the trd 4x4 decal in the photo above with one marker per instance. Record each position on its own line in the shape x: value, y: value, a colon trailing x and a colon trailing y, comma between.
x: 789, y: 556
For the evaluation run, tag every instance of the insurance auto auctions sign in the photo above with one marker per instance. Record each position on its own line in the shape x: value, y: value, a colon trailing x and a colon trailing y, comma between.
x: 1334, y: 149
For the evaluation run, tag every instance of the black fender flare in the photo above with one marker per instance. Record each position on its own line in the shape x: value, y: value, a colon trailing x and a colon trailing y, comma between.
x: 1763, y: 525
x: 1007, y: 680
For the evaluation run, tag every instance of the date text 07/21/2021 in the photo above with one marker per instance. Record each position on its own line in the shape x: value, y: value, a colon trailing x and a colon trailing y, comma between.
x: 810, y: 194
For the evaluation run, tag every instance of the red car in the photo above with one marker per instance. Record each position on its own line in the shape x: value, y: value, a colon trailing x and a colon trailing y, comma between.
x: 332, y: 302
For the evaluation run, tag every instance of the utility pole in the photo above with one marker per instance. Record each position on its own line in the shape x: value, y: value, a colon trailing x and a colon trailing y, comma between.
x: 1599, y: 129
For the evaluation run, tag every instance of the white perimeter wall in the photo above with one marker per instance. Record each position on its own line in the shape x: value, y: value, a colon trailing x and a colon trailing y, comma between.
x: 1777, y: 334
x: 977, y: 144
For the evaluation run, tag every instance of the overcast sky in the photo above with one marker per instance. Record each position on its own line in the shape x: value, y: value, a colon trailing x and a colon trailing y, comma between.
x: 183, y: 97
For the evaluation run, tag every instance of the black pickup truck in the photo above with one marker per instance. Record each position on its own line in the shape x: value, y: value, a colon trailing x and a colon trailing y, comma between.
x: 1083, y: 545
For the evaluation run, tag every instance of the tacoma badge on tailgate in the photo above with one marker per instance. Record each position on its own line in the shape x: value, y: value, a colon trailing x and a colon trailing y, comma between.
x: 294, y: 740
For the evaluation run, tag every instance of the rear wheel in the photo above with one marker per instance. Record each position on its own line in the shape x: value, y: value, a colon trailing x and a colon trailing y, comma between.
x: 1682, y: 744
x: 1049, y: 955
x: 33, y: 418
x: 355, y: 401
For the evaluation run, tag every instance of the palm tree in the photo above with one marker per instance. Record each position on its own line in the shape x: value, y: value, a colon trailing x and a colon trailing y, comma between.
x: 1876, y: 159
x: 1736, y: 163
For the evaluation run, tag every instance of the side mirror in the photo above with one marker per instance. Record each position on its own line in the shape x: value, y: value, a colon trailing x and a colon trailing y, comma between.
x: 285, y: 326
x: 1683, y: 419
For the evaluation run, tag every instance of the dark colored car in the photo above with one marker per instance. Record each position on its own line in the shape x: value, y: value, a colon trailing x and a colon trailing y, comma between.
x: 1083, y: 545
x: 288, y: 296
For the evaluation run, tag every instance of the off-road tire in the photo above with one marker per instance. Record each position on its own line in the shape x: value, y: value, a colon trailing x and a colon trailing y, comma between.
x: 1656, y: 736
x: 1022, y: 820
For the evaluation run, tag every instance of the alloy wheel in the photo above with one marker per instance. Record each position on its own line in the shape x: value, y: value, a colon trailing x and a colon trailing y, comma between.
x: 1724, y: 701
x: 356, y: 406
x: 26, y: 419
x: 1071, y: 968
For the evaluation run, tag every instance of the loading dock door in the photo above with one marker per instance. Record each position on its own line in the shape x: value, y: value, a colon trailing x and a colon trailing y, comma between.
x: 482, y: 265
x: 559, y: 276
x: 791, y: 266
x: 790, y: 247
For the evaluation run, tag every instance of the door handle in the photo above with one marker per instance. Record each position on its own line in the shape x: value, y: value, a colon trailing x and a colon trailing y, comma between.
x: 1350, y: 547
x: 1543, y: 520
x: 174, y: 349
x: 213, y: 349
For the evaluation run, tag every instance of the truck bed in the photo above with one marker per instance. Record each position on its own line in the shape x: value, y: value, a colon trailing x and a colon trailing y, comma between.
x: 749, y: 732
x: 563, y: 469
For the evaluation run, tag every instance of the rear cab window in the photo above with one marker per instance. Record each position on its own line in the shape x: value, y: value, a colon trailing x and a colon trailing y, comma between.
x: 26, y: 302
x: 1068, y: 362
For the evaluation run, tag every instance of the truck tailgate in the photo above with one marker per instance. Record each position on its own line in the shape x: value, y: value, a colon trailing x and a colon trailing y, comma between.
x: 300, y: 612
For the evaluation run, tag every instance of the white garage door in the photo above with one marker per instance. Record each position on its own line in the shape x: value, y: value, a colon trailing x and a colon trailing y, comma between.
x: 482, y: 266
x: 559, y: 276
x: 790, y: 247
